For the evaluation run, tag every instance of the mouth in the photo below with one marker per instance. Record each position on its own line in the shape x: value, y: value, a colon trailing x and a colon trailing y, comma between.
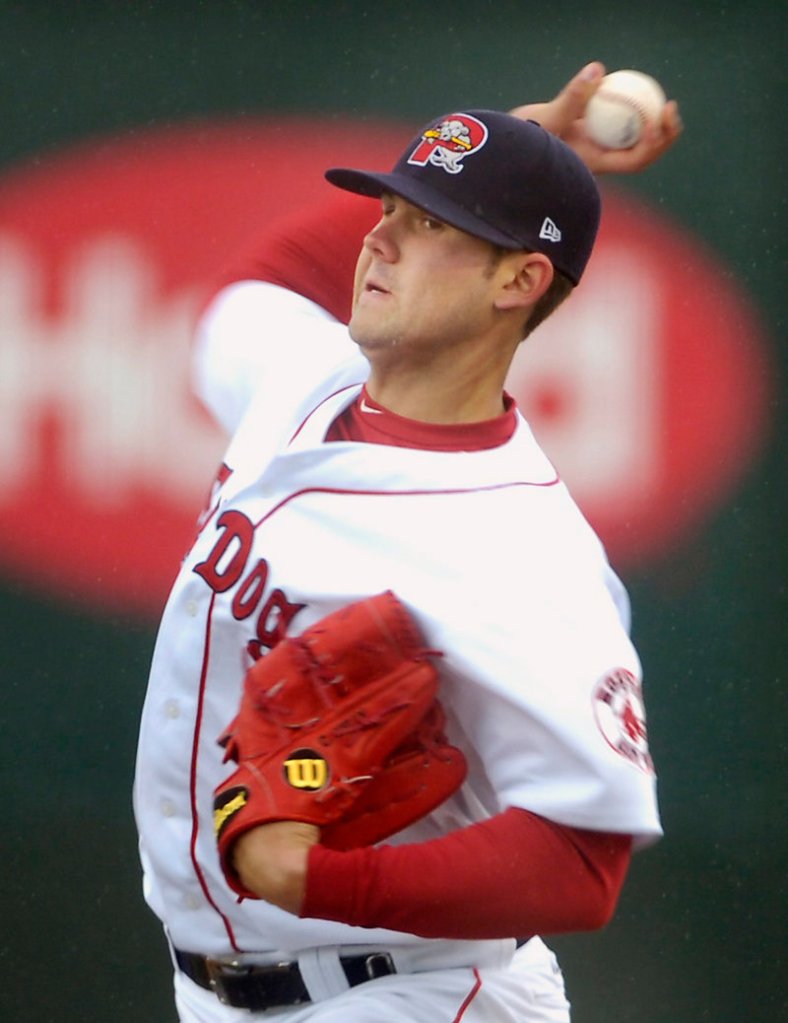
x: 373, y: 287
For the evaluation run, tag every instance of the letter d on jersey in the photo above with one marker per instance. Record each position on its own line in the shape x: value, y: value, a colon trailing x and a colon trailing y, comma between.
x: 225, y: 564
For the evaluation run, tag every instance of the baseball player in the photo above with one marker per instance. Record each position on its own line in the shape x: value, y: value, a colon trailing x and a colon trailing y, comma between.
x: 394, y: 729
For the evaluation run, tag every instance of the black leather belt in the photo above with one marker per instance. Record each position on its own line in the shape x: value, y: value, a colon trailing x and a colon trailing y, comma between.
x: 256, y: 987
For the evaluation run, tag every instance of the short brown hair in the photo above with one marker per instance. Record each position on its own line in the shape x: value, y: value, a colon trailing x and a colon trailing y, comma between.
x: 560, y: 288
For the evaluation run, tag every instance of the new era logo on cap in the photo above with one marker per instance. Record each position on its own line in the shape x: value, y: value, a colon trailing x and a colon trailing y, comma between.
x: 549, y: 231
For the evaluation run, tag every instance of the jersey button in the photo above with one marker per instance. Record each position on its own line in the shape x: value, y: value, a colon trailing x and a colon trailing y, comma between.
x: 191, y: 901
x: 191, y: 608
x: 172, y: 709
x: 167, y: 807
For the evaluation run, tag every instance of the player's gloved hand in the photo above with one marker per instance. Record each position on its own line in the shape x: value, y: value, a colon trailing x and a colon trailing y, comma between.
x: 421, y: 773
x: 563, y: 116
x: 339, y: 728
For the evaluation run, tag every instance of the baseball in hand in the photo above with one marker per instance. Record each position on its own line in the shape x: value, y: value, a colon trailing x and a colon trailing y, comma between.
x: 621, y: 106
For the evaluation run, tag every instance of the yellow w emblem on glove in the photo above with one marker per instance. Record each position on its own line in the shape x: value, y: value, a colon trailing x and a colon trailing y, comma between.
x: 306, y: 770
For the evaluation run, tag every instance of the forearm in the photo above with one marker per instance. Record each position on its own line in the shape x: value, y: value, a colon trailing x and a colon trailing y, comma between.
x: 514, y: 875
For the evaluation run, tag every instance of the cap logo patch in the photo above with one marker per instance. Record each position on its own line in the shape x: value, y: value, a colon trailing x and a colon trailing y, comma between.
x: 549, y: 231
x: 447, y: 143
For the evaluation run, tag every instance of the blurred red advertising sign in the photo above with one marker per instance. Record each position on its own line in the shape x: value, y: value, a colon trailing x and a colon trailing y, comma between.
x: 648, y: 389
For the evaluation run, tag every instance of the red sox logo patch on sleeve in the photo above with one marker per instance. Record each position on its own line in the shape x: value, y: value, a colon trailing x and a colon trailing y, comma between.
x: 448, y: 142
x: 621, y: 717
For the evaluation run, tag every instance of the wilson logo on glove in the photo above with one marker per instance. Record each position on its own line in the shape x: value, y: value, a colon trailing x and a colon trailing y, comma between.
x: 227, y: 806
x: 339, y: 727
x: 306, y: 769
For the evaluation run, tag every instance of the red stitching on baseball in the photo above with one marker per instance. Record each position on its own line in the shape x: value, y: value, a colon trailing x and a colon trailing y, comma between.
x: 628, y: 100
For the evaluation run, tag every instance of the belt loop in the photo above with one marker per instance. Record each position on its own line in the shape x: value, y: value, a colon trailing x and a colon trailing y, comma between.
x: 322, y: 972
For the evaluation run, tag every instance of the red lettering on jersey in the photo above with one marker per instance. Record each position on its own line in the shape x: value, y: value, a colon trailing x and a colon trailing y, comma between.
x: 224, y: 473
x: 237, y: 530
x: 273, y: 622
x: 224, y: 568
x: 250, y: 592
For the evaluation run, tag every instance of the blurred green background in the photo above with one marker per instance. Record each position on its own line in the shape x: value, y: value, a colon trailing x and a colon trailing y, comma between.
x: 700, y: 931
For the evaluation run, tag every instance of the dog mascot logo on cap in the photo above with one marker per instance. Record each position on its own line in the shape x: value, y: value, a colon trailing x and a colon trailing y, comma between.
x: 448, y: 142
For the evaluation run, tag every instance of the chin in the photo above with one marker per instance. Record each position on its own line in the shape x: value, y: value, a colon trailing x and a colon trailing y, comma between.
x: 375, y: 343
x: 363, y: 333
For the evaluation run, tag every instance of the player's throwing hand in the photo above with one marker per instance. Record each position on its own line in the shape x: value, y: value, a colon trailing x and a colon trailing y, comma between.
x: 564, y: 116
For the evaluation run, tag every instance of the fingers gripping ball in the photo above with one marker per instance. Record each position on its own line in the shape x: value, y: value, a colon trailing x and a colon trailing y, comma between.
x: 620, y: 108
x: 319, y: 717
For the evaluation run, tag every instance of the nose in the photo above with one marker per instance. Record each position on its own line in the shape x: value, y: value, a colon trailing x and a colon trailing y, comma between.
x: 381, y: 241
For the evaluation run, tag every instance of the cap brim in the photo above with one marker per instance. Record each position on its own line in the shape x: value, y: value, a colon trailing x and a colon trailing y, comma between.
x: 421, y: 195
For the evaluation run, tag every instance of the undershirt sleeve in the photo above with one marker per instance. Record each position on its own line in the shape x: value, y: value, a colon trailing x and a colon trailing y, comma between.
x: 312, y: 252
x: 515, y: 875
x: 245, y: 330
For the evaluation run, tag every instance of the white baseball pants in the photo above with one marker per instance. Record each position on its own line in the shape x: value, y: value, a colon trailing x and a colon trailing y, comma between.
x: 530, y: 989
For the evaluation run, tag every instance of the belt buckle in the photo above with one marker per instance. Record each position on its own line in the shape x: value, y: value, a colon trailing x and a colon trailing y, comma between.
x: 218, y: 970
x: 379, y: 964
x: 222, y: 970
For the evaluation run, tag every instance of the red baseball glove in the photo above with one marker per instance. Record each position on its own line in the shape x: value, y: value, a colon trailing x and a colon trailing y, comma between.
x: 339, y: 727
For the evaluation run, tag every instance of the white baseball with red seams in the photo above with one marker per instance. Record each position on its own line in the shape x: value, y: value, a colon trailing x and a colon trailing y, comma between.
x: 624, y: 102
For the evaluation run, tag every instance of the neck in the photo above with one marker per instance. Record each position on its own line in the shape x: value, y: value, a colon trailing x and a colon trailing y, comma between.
x: 461, y: 384
x: 419, y: 396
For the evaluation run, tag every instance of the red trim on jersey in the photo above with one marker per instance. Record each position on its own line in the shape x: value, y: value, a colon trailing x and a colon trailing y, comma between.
x: 470, y: 996
x: 346, y: 492
x: 367, y: 421
x: 319, y: 405
x: 515, y: 875
x: 193, y: 778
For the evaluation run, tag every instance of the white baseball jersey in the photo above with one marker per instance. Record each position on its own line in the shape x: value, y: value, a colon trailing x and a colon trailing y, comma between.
x: 539, y: 679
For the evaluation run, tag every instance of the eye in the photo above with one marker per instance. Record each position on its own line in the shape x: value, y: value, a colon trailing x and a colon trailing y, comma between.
x: 431, y: 224
x: 387, y: 204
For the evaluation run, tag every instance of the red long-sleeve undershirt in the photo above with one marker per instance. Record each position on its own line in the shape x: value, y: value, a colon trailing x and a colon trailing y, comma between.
x: 312, y: 252
x: 514, y: 875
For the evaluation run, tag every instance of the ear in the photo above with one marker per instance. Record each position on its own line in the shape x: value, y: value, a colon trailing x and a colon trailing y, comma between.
x: 526, y: 277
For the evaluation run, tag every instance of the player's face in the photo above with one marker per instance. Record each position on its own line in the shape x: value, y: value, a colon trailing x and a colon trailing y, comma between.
x: 421, y: 286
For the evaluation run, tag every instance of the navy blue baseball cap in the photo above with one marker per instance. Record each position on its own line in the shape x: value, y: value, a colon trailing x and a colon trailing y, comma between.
x: 497, y: 177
